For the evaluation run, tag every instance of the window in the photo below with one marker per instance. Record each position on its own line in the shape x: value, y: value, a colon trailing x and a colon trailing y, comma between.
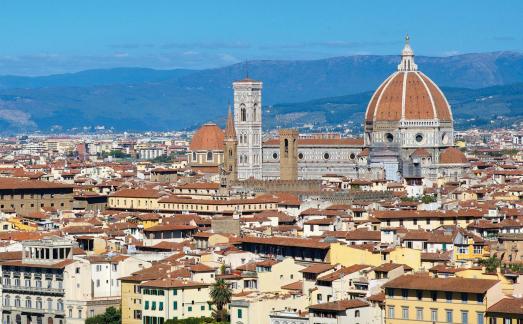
x: 464, y: 317
x: 115, y: 267
x: 175, y: 305
x: 434, y: 295
x: 326, y: 156
x: 405, y: 312
x: 389, y: 137
x: 254, y: 112
x: 17, y: 301
x: 448, y: 296
x: 481, y: 318
x: 137, y: 314
x: 419, y: 294
x: 391, y: 312
x: 479, y: 298
x: 98, y: 267
x: 79, y: 313
x: 39, y: 303
x: 464, y: 298
x: 209, y: 156
x: 404, y: 293
x: 419, y: 138
x: 243, y: 113
x: 478, y: 249
x: 239, y: 313
x: 202, y: 307
x: 194, y: 156
x: 462, y: 249
x: 146, y: 305
x: 97, y: 282
x: 49, y: 304
x: 28, y: 303
x: 175, y: 292
x: 448, y: 316
x: 390, y: 292
x: 189, y: 309
x: 70, y: 312
x: 7, y: 301
x: 153, y: 305
x: 419, y: 314
x: 357, y: 313
x: 434, y: 315
x: 160, y: 306
x: 319, y: 298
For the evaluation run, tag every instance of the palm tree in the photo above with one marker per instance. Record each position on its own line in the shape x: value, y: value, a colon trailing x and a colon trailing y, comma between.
x: 221, y: 295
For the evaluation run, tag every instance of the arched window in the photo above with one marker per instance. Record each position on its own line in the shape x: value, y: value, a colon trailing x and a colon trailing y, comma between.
x: 357, y: 313
x: 194, y: 156
x: 17, y: 301
x: 230, y: 153
x: 60, y: 305
x: 7, y: 301
x: 243, y: 113
x: 209, y: 156
x: 49, y: 304
x: 28, y: 302
x: 39, y: 303
x: 254, y: 112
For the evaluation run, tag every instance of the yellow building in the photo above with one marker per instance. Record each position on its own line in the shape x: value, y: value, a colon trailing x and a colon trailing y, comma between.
x: 139, y: 199
x: 348, y: 255
x: 418, y: 298
x: 169, y: 298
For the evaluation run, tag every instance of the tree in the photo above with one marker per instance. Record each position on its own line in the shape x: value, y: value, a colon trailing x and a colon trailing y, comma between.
x: 491, y: 264
x: 111, y: 316
x: 221, y: 295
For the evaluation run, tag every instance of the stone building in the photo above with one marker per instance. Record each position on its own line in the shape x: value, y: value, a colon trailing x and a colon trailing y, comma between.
x: 248, y: 123
x: 408, y: 132
x: 408, y: 124
x: 206, y: 148
x: 29, y: 196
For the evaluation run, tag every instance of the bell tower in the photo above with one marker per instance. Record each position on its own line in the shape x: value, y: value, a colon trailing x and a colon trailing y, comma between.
x: 248, y: 123
x: 230, y: 162
x: 288, y: 154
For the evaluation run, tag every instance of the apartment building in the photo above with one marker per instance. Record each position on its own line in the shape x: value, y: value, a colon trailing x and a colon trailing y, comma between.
x: 28, y: 196
x: 420, y: 298
x: 170, y: 298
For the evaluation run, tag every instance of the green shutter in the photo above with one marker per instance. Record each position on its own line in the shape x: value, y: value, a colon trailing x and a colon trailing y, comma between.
x: 239, y: 313
x: 146, y: 304
x: 175, y: 305
x: 190, y: 309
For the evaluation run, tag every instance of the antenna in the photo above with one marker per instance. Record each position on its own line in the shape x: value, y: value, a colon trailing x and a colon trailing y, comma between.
x: 247, y: 69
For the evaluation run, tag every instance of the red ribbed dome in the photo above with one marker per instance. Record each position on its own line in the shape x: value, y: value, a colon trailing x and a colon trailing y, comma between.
x: 408, y: 95
x: 209, y: 137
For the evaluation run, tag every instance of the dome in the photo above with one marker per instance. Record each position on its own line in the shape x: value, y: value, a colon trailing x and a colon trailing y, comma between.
x: 209, y: 137
x: 452, y: 155
x: 408, y: 94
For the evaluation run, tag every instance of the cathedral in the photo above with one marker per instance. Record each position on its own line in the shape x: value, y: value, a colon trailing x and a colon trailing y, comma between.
x: 408, y: 133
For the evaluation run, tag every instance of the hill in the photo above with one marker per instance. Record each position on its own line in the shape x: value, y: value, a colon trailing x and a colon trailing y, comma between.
x: 146, y: 99
x: 488, y: 107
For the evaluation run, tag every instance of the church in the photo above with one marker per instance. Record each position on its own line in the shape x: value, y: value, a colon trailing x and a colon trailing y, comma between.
x: 408, y: 133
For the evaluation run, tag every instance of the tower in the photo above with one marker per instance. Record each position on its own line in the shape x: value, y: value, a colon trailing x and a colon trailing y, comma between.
x: 288, y: 154
x: 248, y: 122
x: 230, y: 161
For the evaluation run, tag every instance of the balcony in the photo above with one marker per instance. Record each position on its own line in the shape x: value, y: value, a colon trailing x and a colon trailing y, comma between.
x: 33, y: 290
x: 33, y: 310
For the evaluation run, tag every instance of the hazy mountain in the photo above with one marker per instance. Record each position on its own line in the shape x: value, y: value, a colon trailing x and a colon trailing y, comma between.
x: 147, y: 99
x: 485, y: 107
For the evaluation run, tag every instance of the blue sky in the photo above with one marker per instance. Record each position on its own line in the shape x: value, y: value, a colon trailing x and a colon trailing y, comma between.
x: 42, y: 37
